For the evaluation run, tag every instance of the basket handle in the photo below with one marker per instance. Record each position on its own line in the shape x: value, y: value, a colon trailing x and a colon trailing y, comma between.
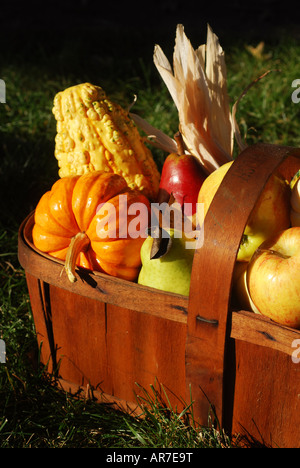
x: 208, y: 320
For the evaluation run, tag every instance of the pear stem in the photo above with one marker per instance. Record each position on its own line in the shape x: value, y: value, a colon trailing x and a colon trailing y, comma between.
x: 79, y: 243
x: 180, y: 144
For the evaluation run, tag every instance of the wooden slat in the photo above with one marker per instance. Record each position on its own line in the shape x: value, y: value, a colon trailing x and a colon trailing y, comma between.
x: 147, y: 350
x: 266, y: 401
x: 42, y: 319
x: 87, y: 392
x: 259, y: 330
x: 79, y: 331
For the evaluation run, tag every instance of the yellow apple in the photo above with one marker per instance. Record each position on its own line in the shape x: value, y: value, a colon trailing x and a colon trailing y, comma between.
x: 240, y: 287
x: 295, y: 204
x: 273, y: 278
x: 270, y: 215
x: 209, y: 189
x: 295, y: 179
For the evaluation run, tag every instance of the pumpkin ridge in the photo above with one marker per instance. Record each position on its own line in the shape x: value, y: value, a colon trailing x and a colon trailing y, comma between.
x: 93, y: 189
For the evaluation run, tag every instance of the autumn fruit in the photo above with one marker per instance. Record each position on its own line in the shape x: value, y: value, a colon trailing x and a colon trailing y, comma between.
x: 270, y: 215
x: 182, y: 175
x: 273, y: 278
x: 295, y: 204
x: 171, y: 271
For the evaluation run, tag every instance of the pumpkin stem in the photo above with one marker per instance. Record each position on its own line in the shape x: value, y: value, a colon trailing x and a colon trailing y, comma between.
x: 78, y: 244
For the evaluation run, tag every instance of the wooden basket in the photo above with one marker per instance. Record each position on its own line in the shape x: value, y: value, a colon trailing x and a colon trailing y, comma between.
x: 108, y: 334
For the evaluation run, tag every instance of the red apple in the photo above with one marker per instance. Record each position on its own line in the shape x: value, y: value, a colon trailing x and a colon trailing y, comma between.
x: 273, y: 278
x: 182, y: 175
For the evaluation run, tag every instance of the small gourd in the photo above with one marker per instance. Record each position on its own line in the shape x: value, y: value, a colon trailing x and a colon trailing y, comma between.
x: 85, y: 221
x: 94, y: 133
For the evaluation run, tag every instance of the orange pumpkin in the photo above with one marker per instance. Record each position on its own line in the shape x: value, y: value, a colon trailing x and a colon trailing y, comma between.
x: 87, y: 221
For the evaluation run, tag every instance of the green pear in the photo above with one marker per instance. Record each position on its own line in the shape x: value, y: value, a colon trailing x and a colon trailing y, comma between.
x: 172, y: 271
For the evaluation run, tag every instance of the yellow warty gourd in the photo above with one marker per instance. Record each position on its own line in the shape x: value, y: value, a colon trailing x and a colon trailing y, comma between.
x: 94, y: 133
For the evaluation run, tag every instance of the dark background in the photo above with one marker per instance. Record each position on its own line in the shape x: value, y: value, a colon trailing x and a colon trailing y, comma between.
x: 148, y: 20
x: 109, y: 43
x: 95, y: 33
x: 234, y: 16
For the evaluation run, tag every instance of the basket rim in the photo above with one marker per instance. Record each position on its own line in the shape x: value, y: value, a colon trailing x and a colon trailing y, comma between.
x: 98, y: 285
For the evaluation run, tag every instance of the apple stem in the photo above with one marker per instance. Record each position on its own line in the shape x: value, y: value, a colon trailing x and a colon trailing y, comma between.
x: 180, y: 144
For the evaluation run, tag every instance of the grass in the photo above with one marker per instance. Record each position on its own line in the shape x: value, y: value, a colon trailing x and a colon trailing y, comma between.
x: 33, y: 413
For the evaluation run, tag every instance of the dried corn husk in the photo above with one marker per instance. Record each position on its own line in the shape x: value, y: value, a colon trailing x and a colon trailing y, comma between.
x: 198, y: 87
